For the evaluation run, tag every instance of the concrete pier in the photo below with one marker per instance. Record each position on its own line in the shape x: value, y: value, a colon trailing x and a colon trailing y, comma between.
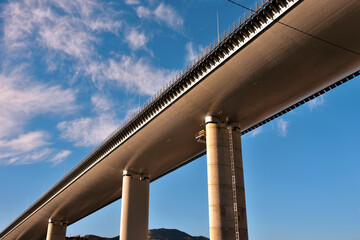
x: 227, y: 208
x: 135, y: 207
x: 56, y: 230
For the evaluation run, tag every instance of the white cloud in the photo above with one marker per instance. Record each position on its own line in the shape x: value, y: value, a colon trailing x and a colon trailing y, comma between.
x: 132, y: 2
x: 101, y: 103
x: 60, y: 157
x: 192, y: 53
x: 143, y: 12
x: 163, y: 14
x: 85, y: 15
x: 282, y: 127
x: 169, y: 16
x: 83, y: 8
x: 62, y: 36
x: 88, y: 131
x: 256, y: 131
x: 316, y: 102
x: 25, y: 142
x: 29, y: 158
x: 136, y: 39
x: 39, y: 23
x: 21, y: 99
x: 107, y: 25
x: 28, y: 148
x: 67, y: 33
x: 70, y: 30
x: 131, y: 111
x: 131, y: 73
x: 16, y: 26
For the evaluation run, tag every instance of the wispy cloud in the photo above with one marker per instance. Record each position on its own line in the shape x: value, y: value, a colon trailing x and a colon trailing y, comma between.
x: 282, y: 126
x: 169, y: 16
x: 131, y: 111
x: 131, y: 73
x: 36, y: 156
x: 162, y: 14
x: 101, y: 103
x: 70, y: 31
x: 29, y: 148
x: 132, y: 2
x: 316, y: 102
x: 143, y: 12
x: 60, y: 157
x: 191, y: 52
x: 256, y: 131
x: 69, y: 34
x: 90, y: 131
x: 136, y: 39
x: 25, y: 142
x: 21, y: 98
x: 82, y: 8
x: 63, y: 37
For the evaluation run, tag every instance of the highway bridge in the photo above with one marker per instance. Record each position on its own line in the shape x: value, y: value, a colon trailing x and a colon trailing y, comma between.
x: 284, y: 54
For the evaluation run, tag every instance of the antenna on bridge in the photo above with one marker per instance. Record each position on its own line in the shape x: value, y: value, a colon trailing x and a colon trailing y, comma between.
x: 217, y: 17
x: 139, y: 97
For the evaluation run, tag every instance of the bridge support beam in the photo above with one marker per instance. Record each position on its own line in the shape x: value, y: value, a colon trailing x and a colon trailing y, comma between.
x: 227, y: 209
x: 56, y: 230
x: 135, y: 207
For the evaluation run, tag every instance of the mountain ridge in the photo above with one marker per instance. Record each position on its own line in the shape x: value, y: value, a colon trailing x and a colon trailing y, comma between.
x: 153, y: 234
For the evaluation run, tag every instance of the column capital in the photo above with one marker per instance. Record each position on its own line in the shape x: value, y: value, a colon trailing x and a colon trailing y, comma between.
x: 141, y: 176
x: 127, y: 173
x: 234, y: 125
x: 56, y: 229
x: 211, y: 119
x: 58, y: 222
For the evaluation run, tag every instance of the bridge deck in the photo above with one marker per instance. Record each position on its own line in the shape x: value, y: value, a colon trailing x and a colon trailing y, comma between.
x: 272, y: 69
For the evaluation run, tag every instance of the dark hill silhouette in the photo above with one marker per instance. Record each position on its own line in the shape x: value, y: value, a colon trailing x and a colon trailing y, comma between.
x: 154, y: 234
x: 171, y: 234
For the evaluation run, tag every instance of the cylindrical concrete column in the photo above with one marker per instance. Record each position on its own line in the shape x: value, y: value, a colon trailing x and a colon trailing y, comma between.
x: 227, y: 211
x: 135, y: 207
x: 56, y: 230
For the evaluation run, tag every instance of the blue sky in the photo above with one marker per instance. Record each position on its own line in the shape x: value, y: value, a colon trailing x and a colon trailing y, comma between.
x: 70, y: 73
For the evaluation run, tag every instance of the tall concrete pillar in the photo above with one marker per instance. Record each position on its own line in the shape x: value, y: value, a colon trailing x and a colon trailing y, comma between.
x: 56, y: 230
x: 227, y: 209
x: 135, y: 207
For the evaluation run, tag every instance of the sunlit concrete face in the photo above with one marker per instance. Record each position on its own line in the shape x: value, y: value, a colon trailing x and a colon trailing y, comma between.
x: 227, y: 208
x: 56, y: 230
x: 135, y: 207
x: 275, y: 69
